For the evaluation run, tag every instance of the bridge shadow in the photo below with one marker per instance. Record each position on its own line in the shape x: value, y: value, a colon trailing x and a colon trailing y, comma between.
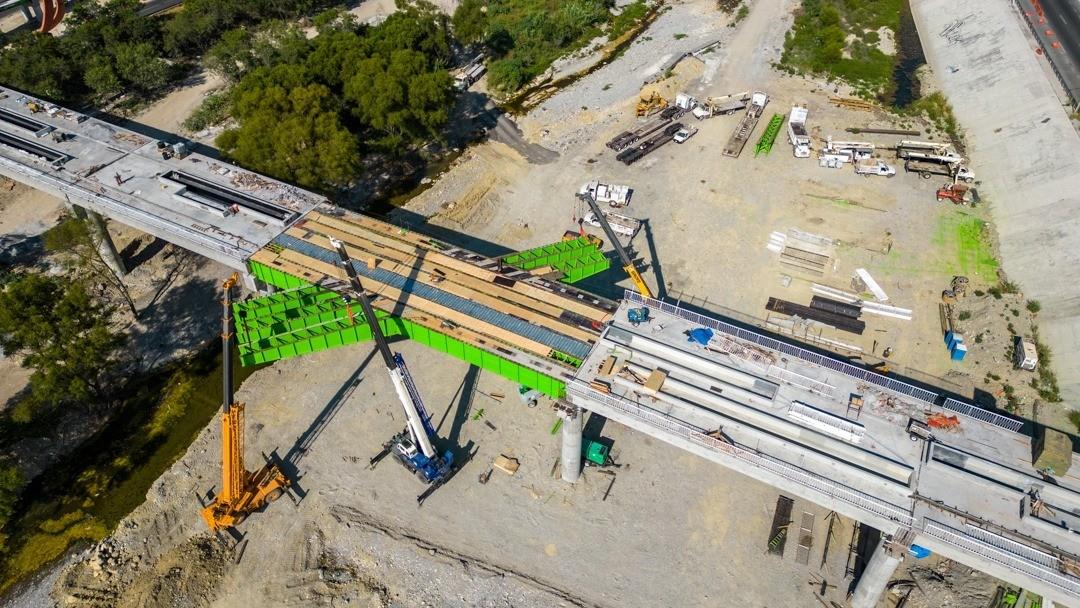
x: 177, y: 319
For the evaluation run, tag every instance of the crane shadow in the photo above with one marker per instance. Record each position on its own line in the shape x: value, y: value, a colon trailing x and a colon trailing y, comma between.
x: 464, y: 397
x: 291, y: 461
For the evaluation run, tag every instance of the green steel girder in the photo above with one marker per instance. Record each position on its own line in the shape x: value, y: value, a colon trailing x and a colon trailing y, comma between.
x: 576, y: 258
x: 286, y: 329
x: 765, y: 144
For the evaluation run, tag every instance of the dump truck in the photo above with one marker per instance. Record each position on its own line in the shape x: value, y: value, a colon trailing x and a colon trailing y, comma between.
x: 745, y: 128
x: 614, y: 195
x: 874, y: 166
x: 796, y: 132
x: 468, y: 75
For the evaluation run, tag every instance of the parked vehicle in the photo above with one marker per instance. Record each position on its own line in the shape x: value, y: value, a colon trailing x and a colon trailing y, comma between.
x: 796, y: 130
x: 684, y: 134
x: 874, y: 166
x: 615, y: 195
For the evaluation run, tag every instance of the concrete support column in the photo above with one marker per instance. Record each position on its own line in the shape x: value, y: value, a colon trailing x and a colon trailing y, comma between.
x: 879, y: 570
x: 96, y: 223
x: 251, y: 284
x: 571, y: 440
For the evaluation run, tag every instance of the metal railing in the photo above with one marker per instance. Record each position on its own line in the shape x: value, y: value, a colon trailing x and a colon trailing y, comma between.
x: 980, y: 414
x: 1003, y: 557
x: 788, y: 349
x: 1012, y: 546
x: 773, y: 465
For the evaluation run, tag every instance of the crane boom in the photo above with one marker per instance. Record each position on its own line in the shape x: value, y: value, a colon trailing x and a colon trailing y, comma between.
x: 242, y: 491
x: 628, y: 264
x: 419, y: 427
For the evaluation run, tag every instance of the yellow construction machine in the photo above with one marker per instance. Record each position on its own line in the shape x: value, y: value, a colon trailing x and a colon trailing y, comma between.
x: 242, y: 492
x: 646, y: 106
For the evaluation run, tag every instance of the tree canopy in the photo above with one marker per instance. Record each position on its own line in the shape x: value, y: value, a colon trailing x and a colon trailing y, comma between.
x: 60, y: 331
x: 305, y: 108
x: 526, y: 36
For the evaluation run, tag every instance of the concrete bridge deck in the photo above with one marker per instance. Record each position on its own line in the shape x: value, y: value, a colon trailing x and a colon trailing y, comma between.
x: 207, y: 206
x: 790, y: 418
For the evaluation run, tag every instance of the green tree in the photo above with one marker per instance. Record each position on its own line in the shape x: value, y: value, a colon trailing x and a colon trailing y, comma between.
x: 62, y: 333
x: 230, y: 56
x: 80, y: 247
x: 11, y: 486
x: 400, y: 96
x: 470, y: 21
x: 140, y: 68
x: 290, y: 128
x: 36, y: 63
x: 101, y: 78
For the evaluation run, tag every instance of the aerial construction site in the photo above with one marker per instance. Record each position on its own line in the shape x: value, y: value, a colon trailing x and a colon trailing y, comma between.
x: 675, y: 321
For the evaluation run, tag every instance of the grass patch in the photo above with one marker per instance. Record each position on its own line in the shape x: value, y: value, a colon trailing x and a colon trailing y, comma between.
x: 966, y: 244
x: 1033, y: 306
x: 1074, y: 417
x: 937, y: 110
x: 964, y: 315
x: 742, y: 13
x: 211, y: 112
x: 1045, y: 381
x: 830, y: 38
x: 51, y: 541
x: 628, y: 18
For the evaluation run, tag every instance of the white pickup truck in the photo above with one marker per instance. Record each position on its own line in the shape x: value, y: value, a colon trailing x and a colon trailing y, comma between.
x: 874, y: 166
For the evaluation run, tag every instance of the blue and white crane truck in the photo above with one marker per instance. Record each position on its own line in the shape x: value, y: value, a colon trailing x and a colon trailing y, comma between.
x: 413, y: 447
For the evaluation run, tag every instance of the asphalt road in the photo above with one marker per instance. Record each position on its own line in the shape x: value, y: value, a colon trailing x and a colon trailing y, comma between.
x: 1063, y: 19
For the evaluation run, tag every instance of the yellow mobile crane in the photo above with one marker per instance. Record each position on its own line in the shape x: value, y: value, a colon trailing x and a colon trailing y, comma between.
x: 628, y: 264
x: 242, y: 492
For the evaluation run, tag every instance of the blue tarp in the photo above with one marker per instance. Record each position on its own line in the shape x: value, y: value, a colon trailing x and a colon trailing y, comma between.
x: 701, y: 335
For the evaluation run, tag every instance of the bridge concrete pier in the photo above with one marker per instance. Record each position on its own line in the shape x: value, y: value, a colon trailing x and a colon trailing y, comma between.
x: 571, y: 442
x: 879, y: 570
x: 100, y: 231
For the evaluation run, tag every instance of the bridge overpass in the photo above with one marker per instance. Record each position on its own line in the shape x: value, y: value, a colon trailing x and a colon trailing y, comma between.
x: 815, y: 426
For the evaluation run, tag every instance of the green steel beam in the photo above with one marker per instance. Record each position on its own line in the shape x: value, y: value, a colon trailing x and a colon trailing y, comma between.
x: 765, y: 144
x: 285, y: 327
x: 576, y: 258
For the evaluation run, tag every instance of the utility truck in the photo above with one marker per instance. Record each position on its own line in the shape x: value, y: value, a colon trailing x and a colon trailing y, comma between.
x: 614, y: 195
x: 928, y: 158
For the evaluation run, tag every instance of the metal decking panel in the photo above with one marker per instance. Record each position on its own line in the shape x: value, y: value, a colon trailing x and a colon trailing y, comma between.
x: 487, y: 314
